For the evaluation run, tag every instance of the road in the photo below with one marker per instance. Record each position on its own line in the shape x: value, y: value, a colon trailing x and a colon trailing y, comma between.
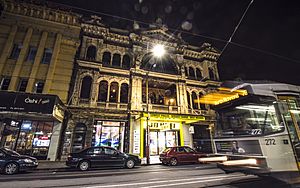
x: 153, y: 176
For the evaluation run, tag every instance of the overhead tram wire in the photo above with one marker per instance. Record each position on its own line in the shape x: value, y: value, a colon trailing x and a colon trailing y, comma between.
x: 235, y: 29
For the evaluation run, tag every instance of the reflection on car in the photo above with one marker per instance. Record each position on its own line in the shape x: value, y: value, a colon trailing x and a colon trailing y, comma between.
x: 12, y: 162
x: 100, y: 157
x: 180, y: 154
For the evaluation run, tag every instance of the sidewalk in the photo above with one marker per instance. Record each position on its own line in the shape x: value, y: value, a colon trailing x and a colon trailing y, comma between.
x: 52, y: 165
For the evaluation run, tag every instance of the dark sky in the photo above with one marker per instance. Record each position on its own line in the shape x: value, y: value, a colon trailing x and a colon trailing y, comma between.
x: 266, y: 44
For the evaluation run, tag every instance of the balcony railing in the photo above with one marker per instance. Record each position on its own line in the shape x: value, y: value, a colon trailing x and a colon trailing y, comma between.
x: 102, y: 105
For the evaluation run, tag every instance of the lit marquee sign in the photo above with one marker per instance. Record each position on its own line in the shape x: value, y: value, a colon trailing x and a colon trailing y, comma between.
x: 164, y: 126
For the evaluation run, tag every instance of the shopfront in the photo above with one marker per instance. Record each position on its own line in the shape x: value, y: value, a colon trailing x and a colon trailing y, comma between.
x: 31, y: 124
x: 109, y: 133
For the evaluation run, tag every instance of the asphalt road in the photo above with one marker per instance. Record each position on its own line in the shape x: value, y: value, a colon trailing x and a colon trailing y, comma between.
x: 153, y: 176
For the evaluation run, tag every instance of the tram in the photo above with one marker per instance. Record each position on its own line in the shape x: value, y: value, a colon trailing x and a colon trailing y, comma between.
x: 257, y: 127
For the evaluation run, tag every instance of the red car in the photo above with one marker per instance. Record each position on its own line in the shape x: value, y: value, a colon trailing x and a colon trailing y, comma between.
x: 179, y: 154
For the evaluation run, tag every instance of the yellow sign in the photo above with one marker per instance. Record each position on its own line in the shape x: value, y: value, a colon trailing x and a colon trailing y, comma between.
x: 164, y: 126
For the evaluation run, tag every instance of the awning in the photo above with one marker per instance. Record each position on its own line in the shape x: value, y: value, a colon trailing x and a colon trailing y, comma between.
x: 221, y: 95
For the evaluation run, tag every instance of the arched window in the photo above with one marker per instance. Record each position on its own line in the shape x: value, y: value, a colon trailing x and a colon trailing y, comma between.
x: 188, y: 100
x: 186, y: 71
x: 114, y: 90
x: 126, y: 62
x: 91, y: 52
x: 106, y: 58
x: 202, y: 106
x: 212, y: 75
x: 79, y: 137
x: 124, y: 93
x: 194, y: 100
x: 86, y: 85
x: 103, y: 89
x: 191, y: 73
x: 116, y: 62
x: 198, y: 74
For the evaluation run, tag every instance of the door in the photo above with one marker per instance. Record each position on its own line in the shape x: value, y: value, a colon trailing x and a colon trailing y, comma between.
x: 153, y: 143
x: 113, y: 157
x: 191, y: 156
x: 182, y: 155
x: 96, y: 156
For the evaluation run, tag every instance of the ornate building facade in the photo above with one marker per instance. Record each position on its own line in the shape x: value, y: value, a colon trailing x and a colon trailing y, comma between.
x: 125, y: 97
x: 37, y: 46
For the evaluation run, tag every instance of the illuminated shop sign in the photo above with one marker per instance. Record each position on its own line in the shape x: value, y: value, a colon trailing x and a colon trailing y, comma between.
x: 163, y: 125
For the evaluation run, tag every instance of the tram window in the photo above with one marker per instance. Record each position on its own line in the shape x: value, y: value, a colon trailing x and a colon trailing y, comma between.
x: 249, y: 120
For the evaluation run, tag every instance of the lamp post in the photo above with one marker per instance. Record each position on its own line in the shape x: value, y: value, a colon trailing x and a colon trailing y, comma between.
x: 158, y: 51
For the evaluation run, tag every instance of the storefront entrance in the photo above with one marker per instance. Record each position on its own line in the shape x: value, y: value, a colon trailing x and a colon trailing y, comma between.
x: 159, y: 140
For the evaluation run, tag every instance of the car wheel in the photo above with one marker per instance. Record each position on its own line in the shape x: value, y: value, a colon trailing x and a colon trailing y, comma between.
x: 84, y: 165
x: 11, y: 168
x: 164, y: 163
x: 130, y: 163
x: 173, y: 162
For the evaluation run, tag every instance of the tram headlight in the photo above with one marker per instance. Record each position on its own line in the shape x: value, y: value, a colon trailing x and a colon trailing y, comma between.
x: 243, y: 162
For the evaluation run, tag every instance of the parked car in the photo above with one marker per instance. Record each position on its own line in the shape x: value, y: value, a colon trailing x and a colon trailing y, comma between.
x: 180, y: 154
x: 101, y: 156
x: 12, y: 162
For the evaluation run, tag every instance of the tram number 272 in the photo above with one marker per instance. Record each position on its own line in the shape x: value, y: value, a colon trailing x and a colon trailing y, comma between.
x: 270, y: 141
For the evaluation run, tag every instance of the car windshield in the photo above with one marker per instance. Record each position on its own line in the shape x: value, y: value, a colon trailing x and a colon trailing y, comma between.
x: 11, y: 152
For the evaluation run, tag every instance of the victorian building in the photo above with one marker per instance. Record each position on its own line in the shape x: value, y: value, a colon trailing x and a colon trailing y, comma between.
x: 37, y: 49
x: 125, y: 97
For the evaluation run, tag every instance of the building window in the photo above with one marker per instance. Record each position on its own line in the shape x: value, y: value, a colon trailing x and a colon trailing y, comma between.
x: 114, y: 90
x: 39, y: 86
x: 106, y: 58
x: 22, y: 85
x: 191, y: 73
x: 86, y: 87
x: 124, y: 93
x: 5, y: 83
x: 47, y: 56
x: 103, y: 88
x: 31, y: 53
x: 198, y: 74
x: 116, y: 62
x: 91, y: 52
x: 16, y: 51
x: 194, y: 100
x: 212, y: 75
x: 186, y: 71
x: 126, y: 62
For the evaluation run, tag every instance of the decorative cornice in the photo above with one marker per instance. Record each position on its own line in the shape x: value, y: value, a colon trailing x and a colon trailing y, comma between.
x: 40, y: 12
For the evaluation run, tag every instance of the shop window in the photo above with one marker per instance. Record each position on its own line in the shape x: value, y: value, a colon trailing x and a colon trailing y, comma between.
x: 114, y: 90
x: 126, y: 62
x: 116, y: 62
x: 31, y: 53
x: 86, y: 85
x: 22, y: 85
x: 188, y: 100
x: 39, y: 86
x: 47, y: 56
x: 91, y: 52
x: 191, y: 73
x: 16, y: 51
x: 194, y: 100
x: 198, y: 74
x: 5, y: 83
x: 124, y: 93
x: 103, y: 89
x: 79, y: 137
x: 212, y: 75
x: 106, y: 58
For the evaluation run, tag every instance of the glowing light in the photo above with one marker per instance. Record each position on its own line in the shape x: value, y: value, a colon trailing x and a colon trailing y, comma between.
x: 240, y: 162
x: 158, y: 50
x: 213, y: 159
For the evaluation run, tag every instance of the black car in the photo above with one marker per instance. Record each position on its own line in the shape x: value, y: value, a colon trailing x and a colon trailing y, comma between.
x: 100, y: 157
x: 12, y: 162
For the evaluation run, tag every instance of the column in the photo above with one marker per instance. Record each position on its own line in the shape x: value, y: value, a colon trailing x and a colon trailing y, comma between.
x: 198, y: 101
x: 94, y: 95
x: 119, y: 96
x: 20, y: 60
x: 108, y: 95
x: 53, y: 63
x: 136, y: 93
x: 178, y: 101
x: 37, y: 61
x: 8, y: 46
x: 55, y: 138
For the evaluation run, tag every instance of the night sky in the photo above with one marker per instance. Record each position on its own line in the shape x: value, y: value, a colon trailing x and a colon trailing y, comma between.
x: 265, y: 46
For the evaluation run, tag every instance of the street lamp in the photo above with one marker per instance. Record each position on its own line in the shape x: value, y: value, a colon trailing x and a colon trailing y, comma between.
x: 158, y: 51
